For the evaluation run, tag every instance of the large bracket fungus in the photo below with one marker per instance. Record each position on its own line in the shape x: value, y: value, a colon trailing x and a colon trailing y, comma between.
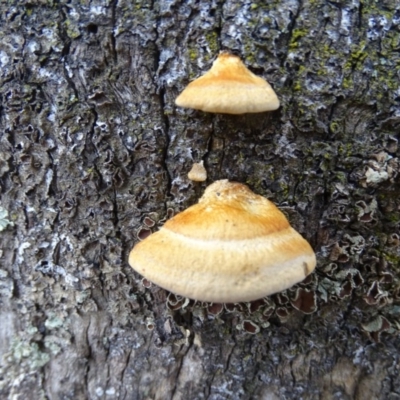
x: 232, y: 246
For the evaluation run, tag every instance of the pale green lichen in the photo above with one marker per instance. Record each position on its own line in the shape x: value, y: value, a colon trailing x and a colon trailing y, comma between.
x: 52, y: 347
x: 193, y: 54
x: 53, y: 322
x: 4, y: 222
x: 296, y: 36
x: 212, y: 41
x: 23, y: 352
x: 72, y: 30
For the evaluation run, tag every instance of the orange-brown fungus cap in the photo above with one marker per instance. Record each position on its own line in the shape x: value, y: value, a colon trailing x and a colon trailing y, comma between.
x: 229, y: 88
x: 232, y: 246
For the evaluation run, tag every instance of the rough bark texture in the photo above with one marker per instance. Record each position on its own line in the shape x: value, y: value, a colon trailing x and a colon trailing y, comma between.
x: 93, y: 151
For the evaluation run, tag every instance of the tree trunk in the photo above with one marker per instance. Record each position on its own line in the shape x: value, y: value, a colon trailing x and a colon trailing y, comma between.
x: 93, y: 153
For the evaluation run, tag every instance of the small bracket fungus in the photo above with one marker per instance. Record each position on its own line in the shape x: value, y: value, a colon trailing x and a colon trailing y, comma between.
x: 229, y: 88
x: 232, y: 246
x: 198, y: 173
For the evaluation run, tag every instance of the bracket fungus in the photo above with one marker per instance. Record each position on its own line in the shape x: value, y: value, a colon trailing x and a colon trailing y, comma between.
x: 229, y: 88
x: 198, y: 173
x: 232, y: 246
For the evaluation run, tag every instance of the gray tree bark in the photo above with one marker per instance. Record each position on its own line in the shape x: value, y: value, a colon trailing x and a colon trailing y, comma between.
x: 94, y: 154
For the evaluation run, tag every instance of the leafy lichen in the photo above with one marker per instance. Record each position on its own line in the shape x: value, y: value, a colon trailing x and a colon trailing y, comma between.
x: 4, y: 222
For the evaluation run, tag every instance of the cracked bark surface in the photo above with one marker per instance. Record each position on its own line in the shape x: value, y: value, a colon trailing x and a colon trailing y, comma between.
x: 93, y: 151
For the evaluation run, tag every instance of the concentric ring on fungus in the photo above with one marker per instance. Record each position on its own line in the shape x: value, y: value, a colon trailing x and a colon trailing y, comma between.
x: 232, y: 246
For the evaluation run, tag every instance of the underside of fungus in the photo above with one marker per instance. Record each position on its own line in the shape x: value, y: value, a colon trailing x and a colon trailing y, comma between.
x: 229, y: 88
x: 232, y: 246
